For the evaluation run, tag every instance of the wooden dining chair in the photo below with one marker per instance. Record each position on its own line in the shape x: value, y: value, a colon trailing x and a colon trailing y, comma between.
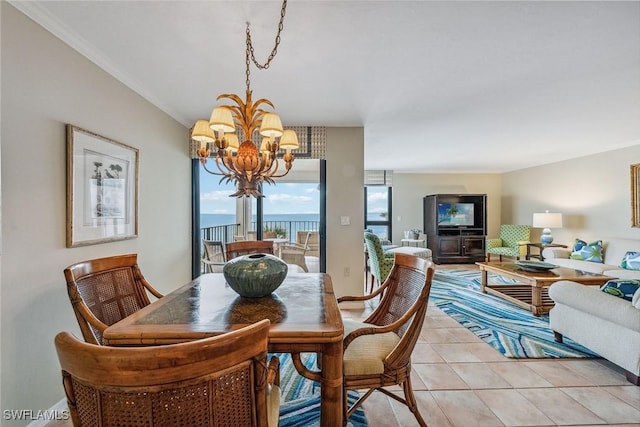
x: 247, y: 247
x: 377, y: 351
x: 105, y: 290
x: 218, y: 381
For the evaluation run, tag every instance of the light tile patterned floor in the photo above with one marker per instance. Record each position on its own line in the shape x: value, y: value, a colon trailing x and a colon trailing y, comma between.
x: 461, y: 381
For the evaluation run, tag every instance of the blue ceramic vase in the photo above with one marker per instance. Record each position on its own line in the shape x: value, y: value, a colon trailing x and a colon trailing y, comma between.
x: 255, y: 275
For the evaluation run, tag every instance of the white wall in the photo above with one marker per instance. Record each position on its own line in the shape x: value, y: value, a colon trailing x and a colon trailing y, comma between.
x: 345, y: 197
x: 410, y: 188
x: 593, y: 193
x: 45, y: 84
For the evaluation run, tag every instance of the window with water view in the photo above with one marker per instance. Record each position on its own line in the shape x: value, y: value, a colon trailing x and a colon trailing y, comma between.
x: 377, y: 208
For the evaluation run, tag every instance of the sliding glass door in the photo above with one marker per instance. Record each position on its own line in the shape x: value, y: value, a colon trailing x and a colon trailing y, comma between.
x: 290, y: 210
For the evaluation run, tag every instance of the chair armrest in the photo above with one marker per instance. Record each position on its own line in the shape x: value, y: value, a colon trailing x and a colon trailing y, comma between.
x: 153, y: 290
x: 370, y: 330
x: 521, y: 247
x: 372, y: 295
x: 494, y: 243
x: 375, y: 329
x: 273, y: 371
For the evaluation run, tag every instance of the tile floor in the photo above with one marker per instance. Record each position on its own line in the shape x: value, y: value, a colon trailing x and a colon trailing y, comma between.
x: 461, y: 381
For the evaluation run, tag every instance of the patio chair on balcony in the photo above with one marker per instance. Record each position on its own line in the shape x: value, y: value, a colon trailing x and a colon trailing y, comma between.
x: 311, y: 239
x: 213, y: 258
x: 294, y: 253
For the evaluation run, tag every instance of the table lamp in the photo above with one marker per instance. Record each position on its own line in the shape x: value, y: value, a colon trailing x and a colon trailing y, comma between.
x: 547, y: 221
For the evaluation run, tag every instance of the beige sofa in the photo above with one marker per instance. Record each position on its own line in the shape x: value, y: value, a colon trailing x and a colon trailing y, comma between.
x: 605, y: 324
x: 614, y: 251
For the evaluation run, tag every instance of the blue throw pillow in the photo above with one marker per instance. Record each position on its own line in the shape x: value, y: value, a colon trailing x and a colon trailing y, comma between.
x: 621, y: 288
x: 631, y: 261
x: 588, y: 251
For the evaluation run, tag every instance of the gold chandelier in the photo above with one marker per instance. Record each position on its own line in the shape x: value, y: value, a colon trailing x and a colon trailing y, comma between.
x: 246, y: 164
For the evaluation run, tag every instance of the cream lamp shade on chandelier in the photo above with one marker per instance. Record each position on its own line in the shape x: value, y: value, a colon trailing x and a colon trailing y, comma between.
x: 547, y: 221
x: 246, y: 164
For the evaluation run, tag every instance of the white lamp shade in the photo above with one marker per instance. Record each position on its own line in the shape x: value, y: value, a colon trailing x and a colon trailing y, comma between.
x: 202, y: 132
x: 232, y: 139
x: 289, y: 140
x: 271, y: 125
x: 221, y: 120
x: 547, y: 220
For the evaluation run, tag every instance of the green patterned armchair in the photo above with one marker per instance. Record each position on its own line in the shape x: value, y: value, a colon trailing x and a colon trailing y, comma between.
x: 511, y: 241
x: 379, y: 262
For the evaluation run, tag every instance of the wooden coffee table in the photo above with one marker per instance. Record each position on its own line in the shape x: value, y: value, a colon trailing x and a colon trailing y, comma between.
x: 532, y: 291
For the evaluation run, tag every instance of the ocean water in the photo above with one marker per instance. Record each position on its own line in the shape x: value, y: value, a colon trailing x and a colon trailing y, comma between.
x: 211, y: 220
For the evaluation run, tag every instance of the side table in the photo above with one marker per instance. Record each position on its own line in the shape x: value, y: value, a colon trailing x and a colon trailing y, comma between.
x: 540, y: 247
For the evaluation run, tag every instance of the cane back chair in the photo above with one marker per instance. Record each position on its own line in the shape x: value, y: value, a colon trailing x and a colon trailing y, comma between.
x: 377, y: 351
x: 247, y: 247
x: 105, y: 290
x: 216, y: 381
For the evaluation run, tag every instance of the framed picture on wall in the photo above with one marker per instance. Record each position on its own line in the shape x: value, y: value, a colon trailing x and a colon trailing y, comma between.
x: 102, y: 189
x: 635, y: 197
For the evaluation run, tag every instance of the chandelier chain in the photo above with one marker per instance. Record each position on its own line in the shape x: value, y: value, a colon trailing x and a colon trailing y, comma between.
x: 250, y: 54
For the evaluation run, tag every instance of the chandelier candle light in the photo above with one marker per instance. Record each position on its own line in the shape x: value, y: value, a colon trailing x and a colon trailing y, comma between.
x: 547, y: 221
x: 246, y: 164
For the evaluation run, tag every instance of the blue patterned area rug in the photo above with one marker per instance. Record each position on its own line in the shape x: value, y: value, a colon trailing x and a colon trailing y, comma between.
x: 301, y: 397
x: 510, y: 329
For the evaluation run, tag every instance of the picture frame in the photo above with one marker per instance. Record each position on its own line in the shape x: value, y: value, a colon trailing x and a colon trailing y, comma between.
x: 635, y: 195
x: 102, y: 189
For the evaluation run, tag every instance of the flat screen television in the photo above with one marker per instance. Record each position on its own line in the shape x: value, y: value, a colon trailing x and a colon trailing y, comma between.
x: 456, y: 214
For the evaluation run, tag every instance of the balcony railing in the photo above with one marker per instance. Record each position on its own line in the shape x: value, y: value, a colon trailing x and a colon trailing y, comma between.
x: 288, y: 229
x: 222, y: 233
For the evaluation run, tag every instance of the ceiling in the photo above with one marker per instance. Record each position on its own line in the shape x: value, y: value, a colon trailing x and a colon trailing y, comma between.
x: 438, y: 86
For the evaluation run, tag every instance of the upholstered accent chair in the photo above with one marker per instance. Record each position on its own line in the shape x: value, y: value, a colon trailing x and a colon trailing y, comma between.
x: 379, y: 263
x: 377, y: 350
x: 511, y: 241
x: 105, y: 290
x: 247, y: 247
x: 219, y: 381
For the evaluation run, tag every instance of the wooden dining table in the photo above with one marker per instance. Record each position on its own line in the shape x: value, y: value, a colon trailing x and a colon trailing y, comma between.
x: 304, y: 317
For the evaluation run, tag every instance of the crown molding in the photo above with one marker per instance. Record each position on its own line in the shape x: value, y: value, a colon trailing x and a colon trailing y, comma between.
x: 43, y: 17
